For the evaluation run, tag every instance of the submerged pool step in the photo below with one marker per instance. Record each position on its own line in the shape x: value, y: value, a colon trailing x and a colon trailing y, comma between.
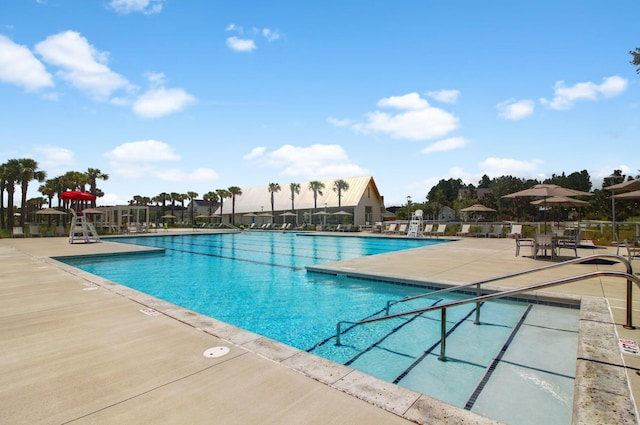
x: 394, y: 350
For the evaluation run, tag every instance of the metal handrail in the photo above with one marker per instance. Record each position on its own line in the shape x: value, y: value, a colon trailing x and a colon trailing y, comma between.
x: 630, y: 277
x: 507, y: 276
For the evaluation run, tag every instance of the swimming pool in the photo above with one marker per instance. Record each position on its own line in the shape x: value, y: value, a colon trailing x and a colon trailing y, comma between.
x: 258, y: 281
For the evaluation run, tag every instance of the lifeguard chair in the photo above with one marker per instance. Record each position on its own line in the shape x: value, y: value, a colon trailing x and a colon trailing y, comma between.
x: 82, y: 230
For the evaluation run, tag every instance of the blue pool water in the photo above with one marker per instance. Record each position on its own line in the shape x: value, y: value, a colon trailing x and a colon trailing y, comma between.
x: 258, y: 281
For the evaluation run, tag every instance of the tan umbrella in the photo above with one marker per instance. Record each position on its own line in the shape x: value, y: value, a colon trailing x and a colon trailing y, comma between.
x: 560, y: 201
x: 51, y: 211
x: 92, y: 211
x: 546, y: 191
x: 628, y: 195
x: 342, y: 213
x: 167, y: 216
x: 250, y: 214
x: 621, y: 187
x: 477, y: 208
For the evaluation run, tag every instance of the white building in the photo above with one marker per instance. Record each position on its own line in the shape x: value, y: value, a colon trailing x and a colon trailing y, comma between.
x: 362, y: 202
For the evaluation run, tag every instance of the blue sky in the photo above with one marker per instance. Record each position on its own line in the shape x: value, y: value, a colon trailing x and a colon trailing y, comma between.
x: 178, y: 96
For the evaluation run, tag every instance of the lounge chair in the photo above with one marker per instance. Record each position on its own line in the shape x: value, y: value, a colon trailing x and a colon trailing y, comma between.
x: 18, y: 232
x: 392, y: 228
x: 428, y: 228
x: 465, y: 231
x: 516, y: 231
x: 484, y: 231
x: 60, y: 231
x: 496, y: 232
x: 402, y: 229
x: 34, y: 230
x: 440, y: 230
x: 520, y: 242
x: 571, y: 242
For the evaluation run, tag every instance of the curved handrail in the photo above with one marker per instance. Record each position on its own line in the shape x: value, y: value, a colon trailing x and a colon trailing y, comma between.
x: 630, y: 277
x: 510, y: 275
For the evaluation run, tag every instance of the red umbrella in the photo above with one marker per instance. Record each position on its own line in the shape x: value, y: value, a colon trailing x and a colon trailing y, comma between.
x: 78, y: 196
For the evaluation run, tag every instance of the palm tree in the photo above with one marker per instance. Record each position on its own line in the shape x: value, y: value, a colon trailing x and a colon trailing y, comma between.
x: 273, y: 188
x: 316, y: 187
x: 93, y: 174
x: 28, y: 171
x: 234, y: 190
x: 212, y: 198
x: 10, y: 176
x: 295, y: 189
x: 222, y: 194
x: 174, y: 198
x: 192, y: 197
x: 3, y: 187
x: 340, y: 186
x: 181, y: 198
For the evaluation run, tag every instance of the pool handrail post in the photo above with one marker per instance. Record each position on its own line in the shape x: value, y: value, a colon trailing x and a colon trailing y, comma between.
x: 478, y: 293
x: 443, y: 334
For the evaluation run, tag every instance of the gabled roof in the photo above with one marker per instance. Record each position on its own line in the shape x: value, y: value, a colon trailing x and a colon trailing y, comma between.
x: 258, y: 198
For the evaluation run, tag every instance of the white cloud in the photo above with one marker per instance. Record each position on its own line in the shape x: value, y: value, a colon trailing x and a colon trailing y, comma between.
x: 18, y: 66
x: 507, y: 166
x: 446, y: 96
x: 147, y: 7
x: 255, y: 153
x: 241, y: 45
x: 417, y: 120
x: 159, y: 102
x: 315, y: 161
x: 446, y: 145
x: 515, y: 109
x: 411, y: 101
x: 270, y: 35
x: 565, y: 97
x: 81, y: 64
x: 340, y: 123
x: 144, y: 151
x: 54, y: 156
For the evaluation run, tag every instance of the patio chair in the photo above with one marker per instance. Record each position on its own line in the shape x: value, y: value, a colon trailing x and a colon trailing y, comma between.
x: 484, y: 231
x: 520, y: 242
x: 516, y: 231
x: 632, y: 248
x: 544, y: 242
x: 569, y: 243
x: 392, y: 228
x: 465, y: 231
x: 34, y: 231
x: 18, y: 232
x: 428, y: 228
x: 496, y: 232
x: 440, y: 230
x: 402, y: 229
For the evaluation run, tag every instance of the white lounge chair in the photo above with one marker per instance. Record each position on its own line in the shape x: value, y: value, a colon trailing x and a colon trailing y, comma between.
x: 516, y: 231
x: 496, y: 232
x: 402, y: 229
x: 484, y: 231
x: 440, y: 230
x: 18, y: 232
x: 465, y: 231
x: 392, y: 228
x: 428, y: 228
x: 34, y: 231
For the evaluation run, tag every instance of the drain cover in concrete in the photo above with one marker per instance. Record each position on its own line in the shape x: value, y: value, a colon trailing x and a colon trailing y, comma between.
x: 216, y: 352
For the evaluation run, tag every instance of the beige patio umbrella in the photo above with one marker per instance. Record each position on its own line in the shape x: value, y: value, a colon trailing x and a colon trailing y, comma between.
x: 560, y: 201
x: 93, y: 211
x: 50, y: 211
x: 477, y: 208
x: 546, y: 191
x: 633, y: 185
x: 628, y: 195
x: 287, y: 214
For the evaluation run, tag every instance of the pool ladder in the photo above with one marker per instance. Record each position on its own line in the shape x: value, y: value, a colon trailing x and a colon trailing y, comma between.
x: 479, y: 298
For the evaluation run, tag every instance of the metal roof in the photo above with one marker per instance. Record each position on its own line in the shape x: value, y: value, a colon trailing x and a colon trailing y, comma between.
x: 258, y: 198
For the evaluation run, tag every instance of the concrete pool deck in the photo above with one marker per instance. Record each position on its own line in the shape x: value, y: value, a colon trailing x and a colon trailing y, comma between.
x: 76, y: 348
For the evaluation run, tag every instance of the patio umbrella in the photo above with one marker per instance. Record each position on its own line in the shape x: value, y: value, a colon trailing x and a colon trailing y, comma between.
x: 77, y: 196
x: 546, y: 191
x: 250, y: 214
x: 342, y: 213
x: 628, y: 195
x: 92, y: 211
x: 166, y: 216
x: 50, y: 211
x: 477, y: 208
x: 628, y: 185
x: 560, y: 201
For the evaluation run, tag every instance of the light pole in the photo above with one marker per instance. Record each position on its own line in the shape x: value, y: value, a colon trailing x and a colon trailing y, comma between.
x: 612, y: 179
x: 408, y: 208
